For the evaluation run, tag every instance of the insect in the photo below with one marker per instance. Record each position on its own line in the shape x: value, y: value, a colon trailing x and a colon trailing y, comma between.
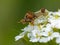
x: 42, y: 11
x: 31, y: 16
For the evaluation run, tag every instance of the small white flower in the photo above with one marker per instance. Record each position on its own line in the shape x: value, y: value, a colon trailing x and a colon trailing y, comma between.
x: 55, y: 23
x: 40, y: 19
x: 50, y: 13
x: 34, y: 39
x: 20, y: 36
x: 44, y: 39
x: 55, y: 34
x: 48, y: 38
x: 35, y: 28
x: 36, y: 33
x: 58, y: 40
x: 56, y: 13
x: 28, y: 28
x: 46, y: 30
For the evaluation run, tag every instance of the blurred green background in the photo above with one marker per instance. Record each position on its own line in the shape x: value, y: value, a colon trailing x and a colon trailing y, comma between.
x: 11, y: 11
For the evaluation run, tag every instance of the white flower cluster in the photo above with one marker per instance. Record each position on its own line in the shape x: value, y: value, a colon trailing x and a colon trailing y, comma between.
x: 45, y: 28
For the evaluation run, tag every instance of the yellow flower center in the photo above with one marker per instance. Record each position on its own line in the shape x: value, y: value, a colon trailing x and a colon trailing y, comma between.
x: 56, y: 16
x: 49, y: 33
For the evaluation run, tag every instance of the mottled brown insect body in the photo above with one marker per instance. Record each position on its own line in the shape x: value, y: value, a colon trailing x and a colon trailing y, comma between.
x: 29, y: 17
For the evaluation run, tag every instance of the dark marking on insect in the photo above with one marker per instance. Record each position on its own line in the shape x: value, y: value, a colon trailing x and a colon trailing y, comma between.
x: 43, y: 10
